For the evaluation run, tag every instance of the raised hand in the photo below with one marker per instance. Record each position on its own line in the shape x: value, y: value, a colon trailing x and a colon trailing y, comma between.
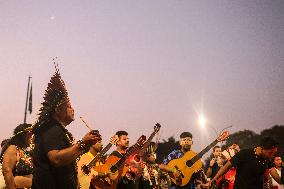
x: 212, y: 162
x: 91, y: 138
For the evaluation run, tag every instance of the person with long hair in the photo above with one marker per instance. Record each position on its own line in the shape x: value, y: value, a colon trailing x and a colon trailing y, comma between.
x: 17, y: 165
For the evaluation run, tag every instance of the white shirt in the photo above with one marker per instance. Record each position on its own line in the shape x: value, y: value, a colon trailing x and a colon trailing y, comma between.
x: 274, y: 183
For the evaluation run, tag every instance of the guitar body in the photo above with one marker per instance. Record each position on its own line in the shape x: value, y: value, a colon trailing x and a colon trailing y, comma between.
x: 190, y: 162
x: 84, y: 179
x: 112, y: 180
x: 180, y: 164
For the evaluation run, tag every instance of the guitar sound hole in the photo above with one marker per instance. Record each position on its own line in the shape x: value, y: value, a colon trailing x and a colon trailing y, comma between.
x: 113, y: 168
x: 189, y: 163
x: 85, y: 170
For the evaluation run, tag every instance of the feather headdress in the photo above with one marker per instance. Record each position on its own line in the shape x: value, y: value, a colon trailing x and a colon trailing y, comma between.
x: 151, y: 148
x: 55, y: 95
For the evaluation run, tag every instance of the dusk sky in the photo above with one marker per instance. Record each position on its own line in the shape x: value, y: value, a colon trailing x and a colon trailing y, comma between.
x: 130, y: 64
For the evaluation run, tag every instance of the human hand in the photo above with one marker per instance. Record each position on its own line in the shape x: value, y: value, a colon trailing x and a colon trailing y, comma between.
x: 212, y: 162
x: 91, y: 138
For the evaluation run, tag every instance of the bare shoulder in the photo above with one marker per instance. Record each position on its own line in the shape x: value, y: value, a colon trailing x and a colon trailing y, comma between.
x: 12, y: 149
x: 10, y: 157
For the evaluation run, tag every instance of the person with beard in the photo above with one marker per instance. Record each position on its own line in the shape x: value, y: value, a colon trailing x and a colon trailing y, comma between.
x: 127, y: 181
x: 185, y: 143
x: 55, y: 150
x: 251, y: 165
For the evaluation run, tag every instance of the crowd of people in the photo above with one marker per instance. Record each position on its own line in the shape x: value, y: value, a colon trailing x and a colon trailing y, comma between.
x: 46, y: 156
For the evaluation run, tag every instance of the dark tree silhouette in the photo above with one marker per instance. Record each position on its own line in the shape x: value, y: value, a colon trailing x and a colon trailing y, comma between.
x: 245, y: 139
x: 165, y: 147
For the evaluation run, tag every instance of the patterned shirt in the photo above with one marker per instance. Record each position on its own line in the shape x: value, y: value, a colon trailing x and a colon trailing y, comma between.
x: 25, y: 165
x: 175, y: 154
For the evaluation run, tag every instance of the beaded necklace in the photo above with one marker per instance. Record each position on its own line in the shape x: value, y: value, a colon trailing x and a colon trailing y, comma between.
x: 68, y: 135
x: 26, y: 158
x: 258, y: 158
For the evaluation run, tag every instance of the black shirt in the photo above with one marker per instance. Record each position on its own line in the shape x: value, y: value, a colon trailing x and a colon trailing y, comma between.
x: 250, y: 170
x: 215, y: 168
x: 45, y: 175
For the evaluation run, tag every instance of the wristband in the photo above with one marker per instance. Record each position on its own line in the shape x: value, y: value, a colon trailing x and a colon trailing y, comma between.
x: 82, y: 146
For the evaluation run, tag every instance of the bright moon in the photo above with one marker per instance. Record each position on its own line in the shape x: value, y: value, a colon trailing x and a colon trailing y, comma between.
x: 202, y: 121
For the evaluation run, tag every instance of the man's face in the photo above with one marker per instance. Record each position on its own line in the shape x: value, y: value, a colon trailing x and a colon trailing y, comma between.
x: 98, y: 146
x: 185, y: 143
x: 123, y: 141
x: 217, y: 152
x: 66, y: 113
x: 269, y: 153
x: 278, y: 161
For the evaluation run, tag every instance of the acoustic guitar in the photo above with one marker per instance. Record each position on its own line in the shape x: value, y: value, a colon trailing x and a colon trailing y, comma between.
x: 114, y: 166
x: 190, y: 162
x: 84, y: 170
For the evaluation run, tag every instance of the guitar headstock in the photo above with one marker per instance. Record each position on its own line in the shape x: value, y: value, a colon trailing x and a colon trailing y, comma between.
x: 157, y: 127
x: 113, y: 140
x: 223, y: 136
x: 141, y: 140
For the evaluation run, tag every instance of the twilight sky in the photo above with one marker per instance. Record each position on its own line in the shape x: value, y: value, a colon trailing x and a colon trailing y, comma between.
x: 130, y: 64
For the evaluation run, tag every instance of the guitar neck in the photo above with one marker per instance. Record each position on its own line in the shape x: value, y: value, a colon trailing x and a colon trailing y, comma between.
x: 147, y: 143
x: 120, y: 162
x: 200, y: 154
x: 99, y: 155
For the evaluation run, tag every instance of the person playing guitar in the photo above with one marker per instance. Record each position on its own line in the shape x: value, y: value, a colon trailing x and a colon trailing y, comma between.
x: 118, y: 172
x: 185, y: 143
x: 94, y: 157
x: 126, y: 181
x: 186, y: 164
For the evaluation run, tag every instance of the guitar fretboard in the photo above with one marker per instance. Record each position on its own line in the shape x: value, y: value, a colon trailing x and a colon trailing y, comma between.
x: 120, y: 162
x: 147, y: 143
x: 99, y: 156
x: 189, y: 163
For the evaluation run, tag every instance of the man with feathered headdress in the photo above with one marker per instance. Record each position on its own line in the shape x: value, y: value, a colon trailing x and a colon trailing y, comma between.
x: 55, y: 150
